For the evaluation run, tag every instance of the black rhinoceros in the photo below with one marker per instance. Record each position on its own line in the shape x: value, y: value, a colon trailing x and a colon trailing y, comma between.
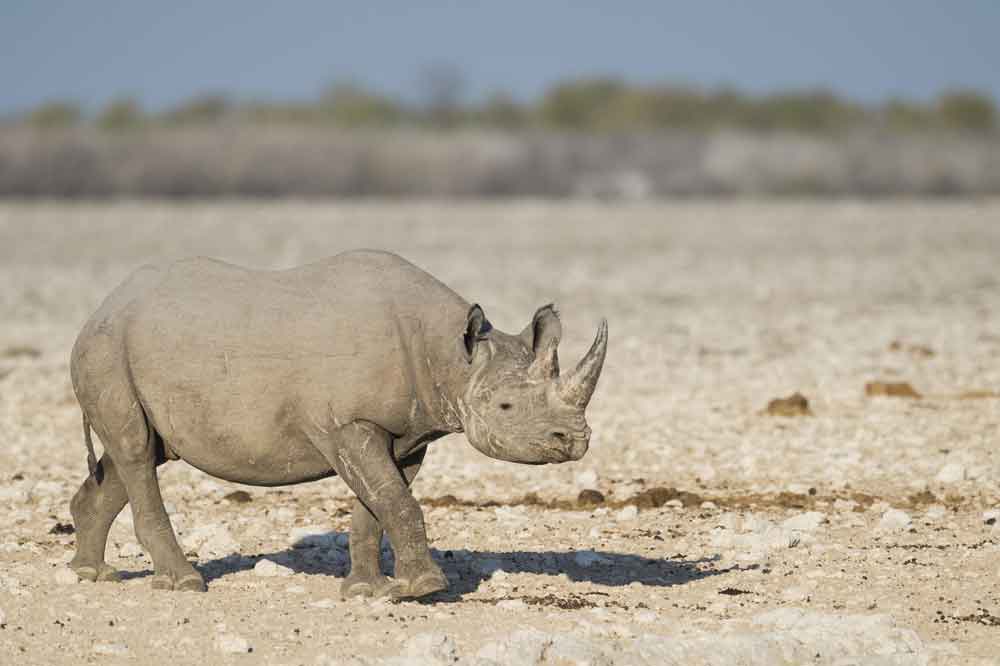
x: 348, y: 366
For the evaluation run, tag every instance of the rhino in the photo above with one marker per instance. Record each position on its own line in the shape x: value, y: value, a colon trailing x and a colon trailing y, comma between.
x: 349, y: 366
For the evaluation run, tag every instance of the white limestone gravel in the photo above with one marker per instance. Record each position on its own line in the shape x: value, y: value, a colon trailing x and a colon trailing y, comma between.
x: 861, y: 533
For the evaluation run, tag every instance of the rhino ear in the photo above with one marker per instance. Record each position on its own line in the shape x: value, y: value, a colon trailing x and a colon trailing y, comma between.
x: 543, y: 335
x: 476, y: 328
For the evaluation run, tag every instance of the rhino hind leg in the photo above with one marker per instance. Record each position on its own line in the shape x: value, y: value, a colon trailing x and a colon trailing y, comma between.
x: 360, y: 452
x: 133, y: 449
x: 94, y: 508
x: 366, y: 578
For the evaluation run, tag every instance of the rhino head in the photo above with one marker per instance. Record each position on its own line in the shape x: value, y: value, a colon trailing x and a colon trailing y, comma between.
x: 516, y: 406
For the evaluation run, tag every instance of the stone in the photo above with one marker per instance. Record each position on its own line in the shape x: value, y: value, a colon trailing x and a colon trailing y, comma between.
x: 804, y: 522
x: 894, y: 520
x: 130, y: 549
x: 586, y: 479
x: 110, y: 649
x: 269, y: 569
x: 210, y: 541
x: 629, y: 512
x: 65, y: 576
x: 433, y: 647
x: 312, y: 536
x: 232, y: 644
x: 3, y: 618
x: 588, y: 558
x: 951, y: 473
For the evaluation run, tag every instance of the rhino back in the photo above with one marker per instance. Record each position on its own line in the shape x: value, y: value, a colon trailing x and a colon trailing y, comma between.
x: 238, y: 369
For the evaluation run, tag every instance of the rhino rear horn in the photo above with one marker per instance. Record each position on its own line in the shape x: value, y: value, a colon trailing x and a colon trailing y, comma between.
x: 576, y: 387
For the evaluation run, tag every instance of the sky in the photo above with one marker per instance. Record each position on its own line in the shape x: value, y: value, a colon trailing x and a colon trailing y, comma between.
x: 166, y: 51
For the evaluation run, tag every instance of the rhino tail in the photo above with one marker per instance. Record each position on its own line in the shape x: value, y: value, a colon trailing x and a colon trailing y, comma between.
x: 91, y: 458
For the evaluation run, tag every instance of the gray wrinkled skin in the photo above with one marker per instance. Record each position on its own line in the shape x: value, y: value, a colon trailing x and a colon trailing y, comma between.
x: 348, y: 366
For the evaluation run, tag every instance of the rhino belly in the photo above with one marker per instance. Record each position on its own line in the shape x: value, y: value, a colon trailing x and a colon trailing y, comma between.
x: 237, y: 438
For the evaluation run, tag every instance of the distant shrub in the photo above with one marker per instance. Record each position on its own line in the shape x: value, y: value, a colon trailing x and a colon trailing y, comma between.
x: 501, y: 110
x: 55, y: 114
x: 580, y: 104
x: 201, y: 109
x: 349, y: 105
x: 121, y: 114
x: 967, y: 109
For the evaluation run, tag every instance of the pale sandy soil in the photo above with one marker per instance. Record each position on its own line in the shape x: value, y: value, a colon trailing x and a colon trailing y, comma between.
x: 785, y: 543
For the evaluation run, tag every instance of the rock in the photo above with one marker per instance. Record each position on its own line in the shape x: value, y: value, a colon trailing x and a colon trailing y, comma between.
x: 645, y: 617
x: 312, y: 536
x: 891, y: 389
x: 629, y: 512
x: 47, y: 488
x: 324, y: 603
x: 586, y: 478
x: 525, y: 647
x: 3, y: 618
x: 130, y: 549
x: 935, y: 512
x: 588, y: 558
x: 951, y: 473
x: 210, y: 541
x: 269, y: 569
x: 794, y: 405
x: 111, y: 649
x: 894, y: 520
x: 566, y: 649
x: 232, y: 644
x: 65, y: 576
x: 804, y: 522
x: 795, y: 594
x: 432, y: 647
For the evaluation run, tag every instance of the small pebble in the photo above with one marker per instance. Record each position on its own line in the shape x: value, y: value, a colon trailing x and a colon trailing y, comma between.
x: 232, y: 644
x: 111, y: 649
x: 65, y: 576
x: 269, y: 569
x: 628, y: 513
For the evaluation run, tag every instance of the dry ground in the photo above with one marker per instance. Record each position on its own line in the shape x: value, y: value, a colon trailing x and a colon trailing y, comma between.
x: 866, y: 532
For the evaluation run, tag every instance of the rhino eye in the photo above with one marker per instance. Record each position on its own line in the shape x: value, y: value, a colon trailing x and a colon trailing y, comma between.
x: 505, y: 406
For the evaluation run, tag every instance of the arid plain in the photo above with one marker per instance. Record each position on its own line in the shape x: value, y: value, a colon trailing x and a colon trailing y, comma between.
x: 858, y: 528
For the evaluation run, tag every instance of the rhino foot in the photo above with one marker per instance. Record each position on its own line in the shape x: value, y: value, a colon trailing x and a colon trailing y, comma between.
x: 421, y: 586
x: 102, y: 573
x: 368, y: 586
x: 189, y: 583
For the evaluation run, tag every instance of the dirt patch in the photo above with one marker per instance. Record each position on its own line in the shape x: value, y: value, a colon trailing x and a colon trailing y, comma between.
x: 977, y: 395
x: 589, y: 498
x: 20, y: 351
x: 920, y: 351
x: 62, y: 528
x: 891, y: 389
x: 239, y: 497
x: 794, y: 405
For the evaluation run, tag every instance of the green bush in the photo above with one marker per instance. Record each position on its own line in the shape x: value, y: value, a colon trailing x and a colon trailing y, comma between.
x: 121, y: 114
x: 55, y: 114
x: 967, y: 109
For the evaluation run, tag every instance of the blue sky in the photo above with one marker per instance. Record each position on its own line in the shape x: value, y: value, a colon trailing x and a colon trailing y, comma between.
x: 165, y: 51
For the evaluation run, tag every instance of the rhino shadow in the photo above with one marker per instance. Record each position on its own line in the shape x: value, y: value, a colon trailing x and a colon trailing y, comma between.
x: 468, y: 569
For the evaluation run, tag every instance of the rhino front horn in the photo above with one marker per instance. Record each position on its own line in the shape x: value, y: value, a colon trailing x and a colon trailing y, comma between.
x: 576, y: 387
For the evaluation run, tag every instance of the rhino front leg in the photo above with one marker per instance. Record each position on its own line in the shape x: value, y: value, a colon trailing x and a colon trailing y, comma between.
x: 366, y: 578
x: 361, y: 454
